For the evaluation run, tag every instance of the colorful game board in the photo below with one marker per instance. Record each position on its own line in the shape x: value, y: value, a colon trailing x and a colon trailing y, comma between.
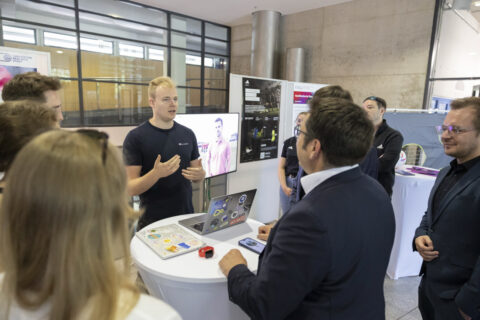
x: 169, y: 241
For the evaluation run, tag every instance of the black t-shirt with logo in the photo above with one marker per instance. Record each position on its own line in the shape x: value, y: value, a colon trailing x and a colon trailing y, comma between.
x: 172, y: 195
x: 289, y: 152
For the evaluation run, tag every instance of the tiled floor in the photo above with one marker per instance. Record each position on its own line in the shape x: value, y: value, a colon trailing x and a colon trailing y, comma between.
x: 401, y: 298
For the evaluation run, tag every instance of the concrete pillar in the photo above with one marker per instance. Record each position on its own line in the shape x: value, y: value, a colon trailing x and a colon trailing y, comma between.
x: 295, y: 65
x: 265, y: 27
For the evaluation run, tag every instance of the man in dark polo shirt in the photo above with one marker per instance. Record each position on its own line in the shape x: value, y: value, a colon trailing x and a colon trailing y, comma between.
x: 388, y: 142
x: 162, y: 158
x: 448, y: 238
x: 288, y: 167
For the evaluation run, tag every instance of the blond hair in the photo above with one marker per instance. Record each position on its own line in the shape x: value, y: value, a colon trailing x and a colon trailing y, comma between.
x: 63, y: 209
x: 164, y: 82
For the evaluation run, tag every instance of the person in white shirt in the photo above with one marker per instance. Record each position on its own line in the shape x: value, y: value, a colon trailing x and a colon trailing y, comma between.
x: 63, y: 220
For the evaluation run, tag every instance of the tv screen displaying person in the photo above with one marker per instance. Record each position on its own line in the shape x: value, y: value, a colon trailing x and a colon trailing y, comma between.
x: 218, y: 156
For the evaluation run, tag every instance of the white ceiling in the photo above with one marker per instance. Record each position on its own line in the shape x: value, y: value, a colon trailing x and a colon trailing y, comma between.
x: 235, y: 12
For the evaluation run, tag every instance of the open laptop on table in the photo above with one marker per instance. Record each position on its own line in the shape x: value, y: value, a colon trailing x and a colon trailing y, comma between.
x: 223, y: 212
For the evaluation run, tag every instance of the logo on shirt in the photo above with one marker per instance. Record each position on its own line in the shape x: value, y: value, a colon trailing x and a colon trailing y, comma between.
x: 291, y: 148
x: 380, y: 146
x: 183, y: 143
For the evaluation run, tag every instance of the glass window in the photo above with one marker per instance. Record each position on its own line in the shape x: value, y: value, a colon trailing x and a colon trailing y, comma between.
x: 41, y: 13
x: 456, y: 60
x: 188, y: 98
x: 70, y: 103
x: 123, y: 46
x: 213, y: 46
x: 186, y: 69
x: 156, y: 54
x: 123, y: 68
x: 216, y: 72
x: 182, y: 40
x: 96, y: 45
x: 69, y: 41
x: 63, y: 61
x: 215, y: 31
x: 18, y: 34
x: 186, y: 24
x: 59, y: 40
x: 121, y: 29
x: 115, y: 103
x: 129, y: 50
x: 215, y: 100
x: 126, y: 10
x: 67, y: 3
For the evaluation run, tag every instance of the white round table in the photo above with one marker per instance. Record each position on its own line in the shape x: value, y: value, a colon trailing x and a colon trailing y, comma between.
x: 195, y: 286
x: 409, y: 201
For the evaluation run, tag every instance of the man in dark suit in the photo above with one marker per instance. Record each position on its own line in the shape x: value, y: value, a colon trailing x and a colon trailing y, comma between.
x: 326, y: 258
x: 448, y: 238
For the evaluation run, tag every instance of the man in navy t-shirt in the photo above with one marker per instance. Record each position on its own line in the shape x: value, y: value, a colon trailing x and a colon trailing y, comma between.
x: 162, y: 158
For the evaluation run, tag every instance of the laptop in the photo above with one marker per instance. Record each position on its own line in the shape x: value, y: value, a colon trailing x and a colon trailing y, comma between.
x: 223, y: 212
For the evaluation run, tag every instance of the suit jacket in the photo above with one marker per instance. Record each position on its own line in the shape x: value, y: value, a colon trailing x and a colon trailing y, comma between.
x: 369, y: 166
x: 326, y: 258
x: 455, y: 233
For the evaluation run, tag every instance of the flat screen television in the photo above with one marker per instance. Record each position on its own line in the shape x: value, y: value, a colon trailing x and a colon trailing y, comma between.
x: 217, y: 138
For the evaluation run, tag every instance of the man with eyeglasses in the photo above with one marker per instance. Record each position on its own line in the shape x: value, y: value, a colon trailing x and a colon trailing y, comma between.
x: 326, y: 258
x: 448, y: 238
x: 35, y: 86
x: 388, y: 142
x: 162, y: 158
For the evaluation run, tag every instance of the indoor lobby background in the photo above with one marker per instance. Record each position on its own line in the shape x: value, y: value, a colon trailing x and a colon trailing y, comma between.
x: 414, y: 53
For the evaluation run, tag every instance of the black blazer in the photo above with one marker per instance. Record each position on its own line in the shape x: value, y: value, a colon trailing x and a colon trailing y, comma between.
x: 326, y: 258
x: 455, y: 233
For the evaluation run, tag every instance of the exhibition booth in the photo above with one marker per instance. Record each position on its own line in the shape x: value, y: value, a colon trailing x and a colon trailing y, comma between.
x: 195, y: 281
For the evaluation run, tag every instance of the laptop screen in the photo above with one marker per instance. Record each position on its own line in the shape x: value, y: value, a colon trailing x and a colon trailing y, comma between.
x: 225, y: 211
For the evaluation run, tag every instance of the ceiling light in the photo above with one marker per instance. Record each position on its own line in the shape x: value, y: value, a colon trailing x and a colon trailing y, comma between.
x: 476, y: 3
x: 59, y: 51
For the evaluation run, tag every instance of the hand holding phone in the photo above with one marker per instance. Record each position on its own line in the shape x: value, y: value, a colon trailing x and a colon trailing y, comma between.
x: 252, y: 245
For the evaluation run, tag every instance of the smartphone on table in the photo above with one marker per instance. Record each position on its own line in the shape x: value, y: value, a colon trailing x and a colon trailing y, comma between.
x: 252, y: 245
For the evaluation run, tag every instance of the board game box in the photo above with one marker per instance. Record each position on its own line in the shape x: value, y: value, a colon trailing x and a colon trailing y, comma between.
x: 169, y: 241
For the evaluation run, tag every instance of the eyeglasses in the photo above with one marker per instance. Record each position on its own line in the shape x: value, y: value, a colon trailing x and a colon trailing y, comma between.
x: 452, y: 129
x: 97, y: 135
x: 297, y: 131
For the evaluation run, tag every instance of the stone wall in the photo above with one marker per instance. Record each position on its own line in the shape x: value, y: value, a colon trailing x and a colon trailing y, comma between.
x: 370, y: 47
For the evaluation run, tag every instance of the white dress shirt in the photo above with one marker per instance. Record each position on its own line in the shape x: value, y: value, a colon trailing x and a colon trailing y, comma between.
x: 310, y: 181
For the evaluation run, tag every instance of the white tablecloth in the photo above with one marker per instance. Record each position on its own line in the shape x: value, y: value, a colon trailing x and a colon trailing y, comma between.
x: 410, y: 201
x: 195, y: 286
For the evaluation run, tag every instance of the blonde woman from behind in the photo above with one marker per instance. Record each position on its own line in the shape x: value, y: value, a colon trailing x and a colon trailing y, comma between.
x: 62, y: 217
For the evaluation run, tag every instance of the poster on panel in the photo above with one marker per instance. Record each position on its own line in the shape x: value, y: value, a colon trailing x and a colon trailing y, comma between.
x: 260, y: 122
x: 302, y: 93
x: 14, y: 61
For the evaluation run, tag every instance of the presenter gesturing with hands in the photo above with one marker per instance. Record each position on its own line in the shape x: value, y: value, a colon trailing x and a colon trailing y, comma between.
x: 195, y: 172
